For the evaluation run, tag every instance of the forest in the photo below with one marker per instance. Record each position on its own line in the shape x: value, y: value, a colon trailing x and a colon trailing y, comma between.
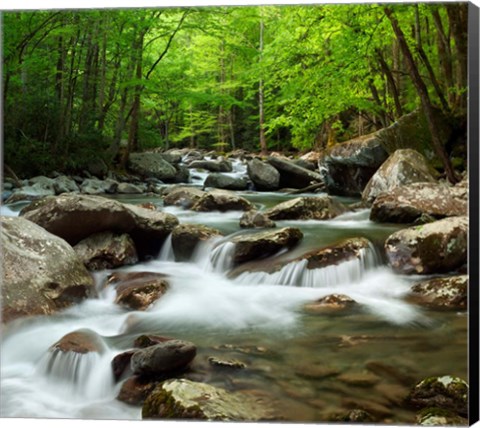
x: 84, y: 85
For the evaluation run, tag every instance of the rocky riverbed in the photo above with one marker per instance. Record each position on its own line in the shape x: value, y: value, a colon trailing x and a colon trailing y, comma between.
x: 248, y: 280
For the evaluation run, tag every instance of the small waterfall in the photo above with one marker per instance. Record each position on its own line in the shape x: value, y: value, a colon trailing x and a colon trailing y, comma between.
x: 297, y: 274
x: 214, y: 255
x: 166, y: 252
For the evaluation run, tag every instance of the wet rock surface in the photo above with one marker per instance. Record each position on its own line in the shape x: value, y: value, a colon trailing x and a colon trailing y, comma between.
x: 441, y: 293
x: 223, y: 181
x: 292, y: 175
x: 184, y: 197
x: 80, y: 342
x: 41, y: 272
x: 333, y: 303
x: 406, y: 204
x: 436, y: 247
x: 106, y: 250
x: 186, y: 237
x: 263, y: 175
x: 254, y: 219
x: 221, y: 200
x: 184, y: 399
x: 306, y: 208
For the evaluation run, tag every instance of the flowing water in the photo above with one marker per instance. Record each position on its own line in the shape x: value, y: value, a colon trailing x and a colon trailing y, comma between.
x: 306, y: 365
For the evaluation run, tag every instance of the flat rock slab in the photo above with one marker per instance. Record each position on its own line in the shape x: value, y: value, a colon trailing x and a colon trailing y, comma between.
x: 306, y: 208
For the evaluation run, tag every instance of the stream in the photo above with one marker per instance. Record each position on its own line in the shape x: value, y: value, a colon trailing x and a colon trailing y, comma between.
x: 306, y: 365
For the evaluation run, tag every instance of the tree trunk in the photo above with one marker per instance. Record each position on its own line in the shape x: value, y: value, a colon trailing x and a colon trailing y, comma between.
x: 424, y: 97
x: 391, y: 83
x: 261, y: 100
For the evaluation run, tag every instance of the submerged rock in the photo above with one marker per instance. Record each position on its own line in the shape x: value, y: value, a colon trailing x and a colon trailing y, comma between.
x: 264, y: 244
x: 406, y: 204
x: 405, y: 166
x: 226, y: 364
x: 212, y: 166
x: 106, y: 250
x: 41, y: 272
x: 221, y: 200
x: 184, y: 399
x: 306, y: 208
x: 76, y: 217
x: 445, y: 392
x: 164, y: 357
x: 263, y: 175
x: 186, y: 237
x: 436, y: 247
x: 441, y: 293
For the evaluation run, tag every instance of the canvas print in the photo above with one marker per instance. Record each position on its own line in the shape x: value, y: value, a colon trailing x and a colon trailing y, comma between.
x: 236, y: 213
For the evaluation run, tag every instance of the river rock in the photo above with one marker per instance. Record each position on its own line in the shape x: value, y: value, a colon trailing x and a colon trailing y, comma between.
x: 182, y: 175
x: 184, y: 399
x: 293, y: 176
x: 186, y: 237
x: 434, y: 416
x: 41, y: 272
x: 184, y: 197
x: 333, y: 303
x: 146, y: 340
x: 150, y: 164
x: 445, y: 392
x: 43, y: 182
x: 253, y: 219
x: 347, y: 167
x: 306, y: 208
x: 94, y: 186
x: 121, y: 364
x: 81, y: 342
x: 29, y: 193
x: 226, y: 364
x: 406, y: 204
x: 264, y: 244
x: 436, y: 247
x: 106, y: 250
x: 223, y: 181
x: 168, y: 356
x: 138, y: 290
x: 75, y: 217
x: 441, y: 293
x: 136, y: 389
x: 64, y: 184
x: 212, y: 166
x: 403, y: 167
x: 263, y: 175
x: 129, y: 189
x: 221, y: 200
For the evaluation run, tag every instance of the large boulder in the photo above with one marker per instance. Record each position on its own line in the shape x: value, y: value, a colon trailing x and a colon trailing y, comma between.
x: 263, y: 175
x: 167, y: 356
x: 129, y: 189
x: 181, y: 196
x: 75, y: 217
x: 413, y: 202
x: 435, y: 247
x: 186, y: 237
x: 441, y: 293
x: 221, y: 200
x: 41, y: 272
x: 264, y: 244
x: 64, y: 184
x: 152, y: 165
x: 224, y: 181
x: 347, y: 167
x: 306, y: 208
x: 405, y: 166
x: 29, y: 193
x: 411, y: 131
x: 293, y: 176
x: 184, y: 399
x: 106, y: 250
